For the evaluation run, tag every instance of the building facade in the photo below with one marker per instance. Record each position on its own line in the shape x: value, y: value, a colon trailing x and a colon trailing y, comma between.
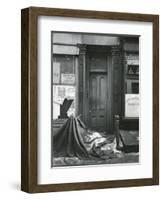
x: 99, y: 74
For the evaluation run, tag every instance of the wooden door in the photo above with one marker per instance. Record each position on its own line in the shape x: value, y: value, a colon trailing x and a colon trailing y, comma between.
x: 98, y: 101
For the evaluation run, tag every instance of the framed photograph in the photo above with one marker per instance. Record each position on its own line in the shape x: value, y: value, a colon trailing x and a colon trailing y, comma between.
x: 90, y: 99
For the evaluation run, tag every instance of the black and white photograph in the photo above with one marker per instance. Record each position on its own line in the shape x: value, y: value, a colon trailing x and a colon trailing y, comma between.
x: 95, y: 99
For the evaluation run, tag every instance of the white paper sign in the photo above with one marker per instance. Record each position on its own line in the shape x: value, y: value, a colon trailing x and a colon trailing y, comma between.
x: 133, y: 59
x: 68, y: 78
x: 60, y: 92
x: 132, y: 105
x: 133, y: 62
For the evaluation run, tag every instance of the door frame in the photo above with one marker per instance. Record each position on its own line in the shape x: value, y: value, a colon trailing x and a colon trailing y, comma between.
x: 92, y: 49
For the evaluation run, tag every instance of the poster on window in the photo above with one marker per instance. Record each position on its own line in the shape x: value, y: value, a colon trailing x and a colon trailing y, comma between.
x: 132, y: 105
x: 61, y: 92
x: 68, y: 79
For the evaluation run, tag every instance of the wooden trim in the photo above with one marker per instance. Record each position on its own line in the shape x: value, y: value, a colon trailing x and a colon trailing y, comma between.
x: 29, y: 98
x: 156, y: 100
x: 91, y: 14
x: 64, y: 44
x: 29, y: 101
x: 24, y: 100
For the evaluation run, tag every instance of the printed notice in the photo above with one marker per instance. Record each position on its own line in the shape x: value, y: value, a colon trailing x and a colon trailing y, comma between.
x: 132, y: 105
x: 68, y: 79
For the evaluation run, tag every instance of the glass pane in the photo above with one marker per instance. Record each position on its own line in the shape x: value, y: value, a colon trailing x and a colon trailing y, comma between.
x: 98, y: 63
x: 64, y: 88
x: 67, y: 64
x: 135, y: 88
x: 64, y: 70
x: 132, y: 85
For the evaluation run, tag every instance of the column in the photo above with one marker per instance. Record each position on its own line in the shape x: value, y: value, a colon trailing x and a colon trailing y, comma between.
x: 116, y: 52
x: 82, y: 81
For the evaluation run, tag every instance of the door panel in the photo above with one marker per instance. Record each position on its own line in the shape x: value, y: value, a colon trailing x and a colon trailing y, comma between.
x: 98, y: 101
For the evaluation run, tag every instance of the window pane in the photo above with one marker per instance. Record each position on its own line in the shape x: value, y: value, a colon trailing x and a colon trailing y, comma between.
x: 64, y: 69
x: 67, y: 64
x: 132, y: 85
x: 64, y: 87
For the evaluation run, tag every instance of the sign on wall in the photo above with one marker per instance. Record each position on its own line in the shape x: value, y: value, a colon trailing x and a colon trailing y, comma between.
x: 60, y: 92
x: 132, y: 59
x: 68, y: 79
x: 132, y: 105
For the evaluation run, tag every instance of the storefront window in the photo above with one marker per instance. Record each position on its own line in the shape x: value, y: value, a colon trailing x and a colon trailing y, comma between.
x: 64, y: 86
x: 132, y: 85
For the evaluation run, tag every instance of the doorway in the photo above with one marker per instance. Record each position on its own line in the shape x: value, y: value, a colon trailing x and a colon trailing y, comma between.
x: 98, y: 101
x: 98, y: 85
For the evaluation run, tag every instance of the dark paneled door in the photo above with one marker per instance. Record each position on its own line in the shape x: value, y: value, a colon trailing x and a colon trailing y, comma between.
x: 98, y: 101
